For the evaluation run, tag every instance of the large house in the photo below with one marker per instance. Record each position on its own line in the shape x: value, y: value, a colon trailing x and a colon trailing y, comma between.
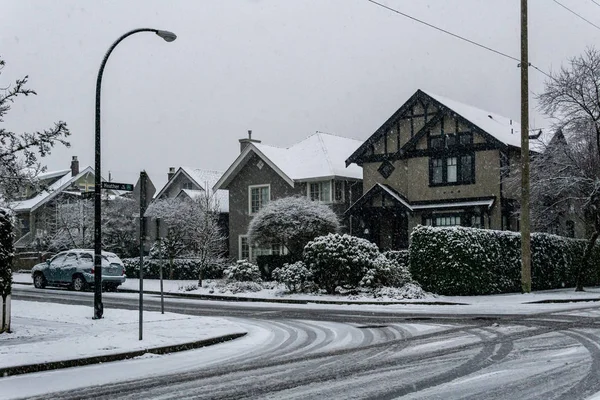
x: 193, y: 183
x: 36, y: 212
x: 437, y: 162
x: 313, y: 168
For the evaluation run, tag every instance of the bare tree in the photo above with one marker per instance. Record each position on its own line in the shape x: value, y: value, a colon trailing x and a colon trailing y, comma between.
x: 19, y: 151
x: 568, y: 174
x: 193, y: 230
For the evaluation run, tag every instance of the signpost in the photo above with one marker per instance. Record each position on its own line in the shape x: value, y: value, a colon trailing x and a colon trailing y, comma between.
x: 143, y: 203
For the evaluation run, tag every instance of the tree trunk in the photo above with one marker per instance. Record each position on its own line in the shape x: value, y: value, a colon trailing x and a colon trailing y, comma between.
x: 170, y: 268
x: 584, y: 262
x: 5, y: 318
x: 200, y: 277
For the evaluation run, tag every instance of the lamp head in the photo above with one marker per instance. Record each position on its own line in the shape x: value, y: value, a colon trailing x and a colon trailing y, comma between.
x: 168, y: 36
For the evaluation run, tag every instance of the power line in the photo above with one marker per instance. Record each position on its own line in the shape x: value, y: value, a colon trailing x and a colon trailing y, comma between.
x: 573, y: 12
x: 595, y: 2
x: 444, y: 31
x: 456, y: 35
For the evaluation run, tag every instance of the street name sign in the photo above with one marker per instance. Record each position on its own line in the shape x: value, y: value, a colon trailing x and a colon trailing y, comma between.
x: 117, y: 186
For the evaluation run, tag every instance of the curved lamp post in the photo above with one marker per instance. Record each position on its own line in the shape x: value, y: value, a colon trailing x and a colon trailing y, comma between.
x: 98, y: 307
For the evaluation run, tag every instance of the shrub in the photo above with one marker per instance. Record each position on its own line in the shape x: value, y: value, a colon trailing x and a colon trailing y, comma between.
x: 243, y: 271
x: 467, y: 261
x: 400, y: 256
x: 339, y: 260
x: 386, y: 272
x: 268, y: 263
x: 295, y: 276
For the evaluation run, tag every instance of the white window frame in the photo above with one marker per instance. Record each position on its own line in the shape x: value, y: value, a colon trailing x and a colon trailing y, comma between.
x: 250, y: 187
x: 251, y: 252
x: 240, y: 257
x: 343, y: 184
x: 321, y: 182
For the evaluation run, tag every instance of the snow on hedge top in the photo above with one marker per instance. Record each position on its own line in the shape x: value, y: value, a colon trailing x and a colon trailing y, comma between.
x: 502, y: 128
x: 319, y: 155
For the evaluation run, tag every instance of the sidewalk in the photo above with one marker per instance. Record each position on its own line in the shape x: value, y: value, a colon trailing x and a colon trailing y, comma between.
x: 50, y: 336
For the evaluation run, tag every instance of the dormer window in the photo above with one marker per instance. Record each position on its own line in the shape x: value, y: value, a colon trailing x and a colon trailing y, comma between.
x: 187, y: 185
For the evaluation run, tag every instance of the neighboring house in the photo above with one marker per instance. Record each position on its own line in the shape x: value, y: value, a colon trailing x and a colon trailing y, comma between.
x: 437, y: 162
x: 192, y: 183
x: 313, y: 168
x: 36, y: 213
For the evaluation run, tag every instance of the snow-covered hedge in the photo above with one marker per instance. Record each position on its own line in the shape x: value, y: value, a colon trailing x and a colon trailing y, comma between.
x: 339, y: 260
x: 242, y: 271
x: 400, y: 256
x: 468, y: 261
x: 296, y: 277
x: 183, y: 268
x: 386, y: 272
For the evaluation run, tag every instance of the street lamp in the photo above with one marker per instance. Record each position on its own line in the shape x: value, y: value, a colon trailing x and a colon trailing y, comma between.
x: 98, y: 307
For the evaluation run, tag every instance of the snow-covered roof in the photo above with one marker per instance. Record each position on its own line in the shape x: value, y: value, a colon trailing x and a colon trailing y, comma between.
x: 504, y: 129
x: 320, y: 155
x: 52, y: 174
x: 455, y: 204
x: 50, y: 192
x: 205, y: 179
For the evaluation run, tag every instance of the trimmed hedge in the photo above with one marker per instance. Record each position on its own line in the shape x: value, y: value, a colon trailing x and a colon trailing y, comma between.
x: 469, y: 261
x: 183, y: 269
x: 400, y: 256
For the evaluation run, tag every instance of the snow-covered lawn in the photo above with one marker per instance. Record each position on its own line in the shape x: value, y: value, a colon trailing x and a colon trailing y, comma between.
x: 45, y: 332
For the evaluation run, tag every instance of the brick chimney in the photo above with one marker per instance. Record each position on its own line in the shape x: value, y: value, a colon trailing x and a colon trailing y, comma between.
x: 171, y: 173
x: 74, y: 166
x: 245, y: 142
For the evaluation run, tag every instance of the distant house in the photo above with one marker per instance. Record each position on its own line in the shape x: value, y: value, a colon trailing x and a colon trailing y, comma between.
x: 193, y: 183
x: 313, y: 168
x: 36, y: 212
x: 437, y: 162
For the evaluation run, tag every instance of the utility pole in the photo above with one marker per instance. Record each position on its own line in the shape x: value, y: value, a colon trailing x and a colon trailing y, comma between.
x: 143, y: 201
x: 525, y: 222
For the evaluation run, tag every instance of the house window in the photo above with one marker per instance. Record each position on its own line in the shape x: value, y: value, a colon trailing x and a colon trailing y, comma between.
x: 452, y: 166
x: 338, y: 195
x: 570, y: 229
x: 437, y: 171
x: 244, y: 248
x: 443, y: 220
x: 187, y: 185
x: 250, y: 253
x: 320, y: 191
x: 452, y: 170
x: 259, y: 196
x: 386, y: 169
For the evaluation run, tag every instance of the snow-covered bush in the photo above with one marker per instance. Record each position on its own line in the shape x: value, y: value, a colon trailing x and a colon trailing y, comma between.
x: 468, y: 261
x: 386, y: 272
x: 242, y: 271
x: 294, y: 276
x: 292, y: 222
x: 339, y: 260
x: 240, y: 287
x: 6, y: 256
x: 400, y: 256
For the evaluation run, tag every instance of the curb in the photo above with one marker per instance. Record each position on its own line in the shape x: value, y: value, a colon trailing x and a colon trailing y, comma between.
x: 548, y: 301
x: 48, y: 366
x: 292, y: 301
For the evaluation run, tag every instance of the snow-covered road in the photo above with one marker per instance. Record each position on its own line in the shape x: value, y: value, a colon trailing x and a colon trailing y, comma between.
x: 552, y: 355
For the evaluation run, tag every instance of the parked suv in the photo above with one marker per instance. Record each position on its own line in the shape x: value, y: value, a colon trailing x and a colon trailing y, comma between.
x: 75, y: 269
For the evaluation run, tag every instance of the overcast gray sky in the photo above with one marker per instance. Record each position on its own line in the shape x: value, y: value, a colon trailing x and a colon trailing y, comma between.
x: 283, y: 68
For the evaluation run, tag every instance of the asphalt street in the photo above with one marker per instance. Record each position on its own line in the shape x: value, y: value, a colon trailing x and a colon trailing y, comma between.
x: 348, y: 354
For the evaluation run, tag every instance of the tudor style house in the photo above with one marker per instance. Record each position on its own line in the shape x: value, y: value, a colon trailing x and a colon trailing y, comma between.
x: 192, y: 183
x: 437, y: 162
x: 313, y: 168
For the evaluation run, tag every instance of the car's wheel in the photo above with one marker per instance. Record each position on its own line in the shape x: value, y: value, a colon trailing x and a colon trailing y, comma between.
x: 39, y: 280
x: 79, y: 284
